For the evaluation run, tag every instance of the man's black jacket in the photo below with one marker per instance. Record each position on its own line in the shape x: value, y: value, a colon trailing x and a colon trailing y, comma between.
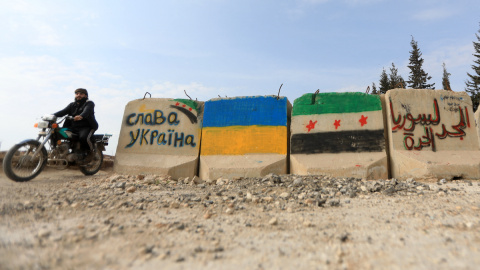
x: 85, y: 108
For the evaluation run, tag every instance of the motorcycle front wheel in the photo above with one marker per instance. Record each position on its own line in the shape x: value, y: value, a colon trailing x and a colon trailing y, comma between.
x: 93, y: 166
x: 19, y: 163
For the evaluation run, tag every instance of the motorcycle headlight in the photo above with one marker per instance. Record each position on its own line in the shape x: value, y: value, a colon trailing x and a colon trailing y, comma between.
x: 42, y: 124
x: 49, y: 117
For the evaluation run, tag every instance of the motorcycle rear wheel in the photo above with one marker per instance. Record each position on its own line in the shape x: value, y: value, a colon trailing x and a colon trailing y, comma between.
x: 93, y: 166
x: 19, y: 164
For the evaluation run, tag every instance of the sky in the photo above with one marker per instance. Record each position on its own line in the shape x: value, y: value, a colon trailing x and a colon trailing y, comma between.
x: 119, y: 50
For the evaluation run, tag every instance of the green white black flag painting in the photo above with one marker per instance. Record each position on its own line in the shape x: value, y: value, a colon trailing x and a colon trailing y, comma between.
x: 337, y: 123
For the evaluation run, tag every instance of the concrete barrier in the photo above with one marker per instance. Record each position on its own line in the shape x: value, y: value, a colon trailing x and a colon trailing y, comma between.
x: 432, y: 133
x: 160, y: 136
x: 244, y: 137
x: 477, y: 123
x: 338, y: 134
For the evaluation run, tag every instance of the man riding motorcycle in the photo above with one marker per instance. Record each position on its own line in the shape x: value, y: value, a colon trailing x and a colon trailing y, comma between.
x: 84, y: 123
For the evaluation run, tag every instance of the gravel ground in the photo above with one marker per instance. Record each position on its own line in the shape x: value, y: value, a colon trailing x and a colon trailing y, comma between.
x: 64, y: 220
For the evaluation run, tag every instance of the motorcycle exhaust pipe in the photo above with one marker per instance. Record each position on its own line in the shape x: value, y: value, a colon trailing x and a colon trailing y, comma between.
x: 57, y: 162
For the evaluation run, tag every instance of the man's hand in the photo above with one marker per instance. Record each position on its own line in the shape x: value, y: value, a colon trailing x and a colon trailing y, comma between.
x: 77, y: 118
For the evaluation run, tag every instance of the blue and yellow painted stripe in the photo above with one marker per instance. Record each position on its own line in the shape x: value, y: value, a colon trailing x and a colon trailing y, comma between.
x: 246, y: 125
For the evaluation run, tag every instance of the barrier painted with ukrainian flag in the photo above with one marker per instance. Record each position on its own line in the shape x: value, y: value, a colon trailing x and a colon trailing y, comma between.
x: 338, y: 134
x: 244, y: 137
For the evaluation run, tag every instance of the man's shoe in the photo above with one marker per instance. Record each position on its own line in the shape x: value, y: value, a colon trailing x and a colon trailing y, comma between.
x: 80, y: 157
x: 89, y: 157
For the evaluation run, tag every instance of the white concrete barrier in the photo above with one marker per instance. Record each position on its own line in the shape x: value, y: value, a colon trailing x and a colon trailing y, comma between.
x: 432, y: 133
x: 160, y: 136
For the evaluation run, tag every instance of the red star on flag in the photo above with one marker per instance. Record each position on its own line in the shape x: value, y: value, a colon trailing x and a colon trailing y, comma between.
x: 337, y: 124
x: 311, y: 125
x: 363, y: 120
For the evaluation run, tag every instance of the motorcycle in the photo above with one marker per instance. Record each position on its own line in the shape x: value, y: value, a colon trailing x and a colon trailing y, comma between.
x: 54, y: 147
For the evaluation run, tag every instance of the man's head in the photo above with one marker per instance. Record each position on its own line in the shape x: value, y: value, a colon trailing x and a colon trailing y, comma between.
x: 81, y: 93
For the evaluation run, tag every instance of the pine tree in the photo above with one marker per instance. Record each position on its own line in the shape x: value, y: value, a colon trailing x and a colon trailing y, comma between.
x: 418, y: 77
x: 473, y: 83
x: 384, y: 82
x: 395, y: 81
x: 374, y: 89
x: 446, y: 78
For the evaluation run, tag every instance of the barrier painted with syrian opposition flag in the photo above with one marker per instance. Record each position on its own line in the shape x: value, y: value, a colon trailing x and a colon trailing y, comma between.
x: 160, y: 136
x: 338, y: 134
x: 432, y: 134
x: 244, y: 136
